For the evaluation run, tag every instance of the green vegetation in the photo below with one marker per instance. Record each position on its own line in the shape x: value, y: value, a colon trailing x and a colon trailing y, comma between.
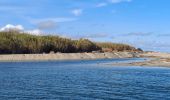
x: 116, y: 47
x: 17, y: 43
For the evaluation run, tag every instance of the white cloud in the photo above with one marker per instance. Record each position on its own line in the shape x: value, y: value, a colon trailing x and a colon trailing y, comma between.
x: 10, y: 27
x: 20, y: 29
x: 34, y: 32
x: 77, y: 12
x: 101, y: 5
x: 119, y: 1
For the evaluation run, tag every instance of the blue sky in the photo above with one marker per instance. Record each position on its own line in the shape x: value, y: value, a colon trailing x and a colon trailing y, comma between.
x: 142, y: 23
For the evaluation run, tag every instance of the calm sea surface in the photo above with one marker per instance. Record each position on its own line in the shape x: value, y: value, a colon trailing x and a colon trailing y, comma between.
x: 82, y: 80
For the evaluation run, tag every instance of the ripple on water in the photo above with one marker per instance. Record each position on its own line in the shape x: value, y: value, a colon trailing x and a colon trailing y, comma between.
x: 82, y: 80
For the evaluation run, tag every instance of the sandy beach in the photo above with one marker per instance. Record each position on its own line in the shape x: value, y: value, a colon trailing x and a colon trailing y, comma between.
x: 65, y: 56
x: 156, y: 59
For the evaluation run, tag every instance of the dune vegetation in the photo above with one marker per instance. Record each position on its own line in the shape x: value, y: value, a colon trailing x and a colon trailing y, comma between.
x: 116, y: 47
x: 22, y: 43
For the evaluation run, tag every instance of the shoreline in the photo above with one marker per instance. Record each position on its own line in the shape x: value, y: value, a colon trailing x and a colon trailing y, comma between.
x: 65, y: 56
x: 157, y: 59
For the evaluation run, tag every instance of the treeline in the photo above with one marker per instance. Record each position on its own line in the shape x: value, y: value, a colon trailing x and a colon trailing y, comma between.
x: 17, y: 43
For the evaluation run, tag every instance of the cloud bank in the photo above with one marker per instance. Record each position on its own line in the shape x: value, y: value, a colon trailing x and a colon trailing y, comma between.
x: 9, y: 27
x: 20, y: 29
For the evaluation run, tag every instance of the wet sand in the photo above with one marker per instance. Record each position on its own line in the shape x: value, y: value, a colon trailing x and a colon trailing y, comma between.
x: 156, y: 59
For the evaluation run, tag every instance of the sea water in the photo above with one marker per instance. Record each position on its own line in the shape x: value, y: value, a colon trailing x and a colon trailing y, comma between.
x: 82, y: 80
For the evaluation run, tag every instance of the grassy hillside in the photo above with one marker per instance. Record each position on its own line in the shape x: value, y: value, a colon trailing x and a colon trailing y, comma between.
x: 17, y: 43
x: 116, y: 47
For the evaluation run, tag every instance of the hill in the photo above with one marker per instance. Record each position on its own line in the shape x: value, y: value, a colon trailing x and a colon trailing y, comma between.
x: 22, y: 43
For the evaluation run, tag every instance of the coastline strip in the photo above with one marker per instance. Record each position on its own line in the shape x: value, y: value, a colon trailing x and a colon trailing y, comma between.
x: 64, y: 56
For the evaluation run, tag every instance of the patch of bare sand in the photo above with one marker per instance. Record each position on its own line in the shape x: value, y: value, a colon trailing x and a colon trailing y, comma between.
x: 157, y: 60
x: 65, y: 56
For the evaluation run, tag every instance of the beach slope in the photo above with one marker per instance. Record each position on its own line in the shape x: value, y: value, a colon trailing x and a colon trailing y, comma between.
x: 65, y: 56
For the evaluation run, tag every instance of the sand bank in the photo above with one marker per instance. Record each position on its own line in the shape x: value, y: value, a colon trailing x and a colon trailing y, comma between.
x: 157, y: 59
x: 65, y: 56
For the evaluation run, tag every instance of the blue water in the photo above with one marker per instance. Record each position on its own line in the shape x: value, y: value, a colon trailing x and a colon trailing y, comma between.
x: 82, y: 80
